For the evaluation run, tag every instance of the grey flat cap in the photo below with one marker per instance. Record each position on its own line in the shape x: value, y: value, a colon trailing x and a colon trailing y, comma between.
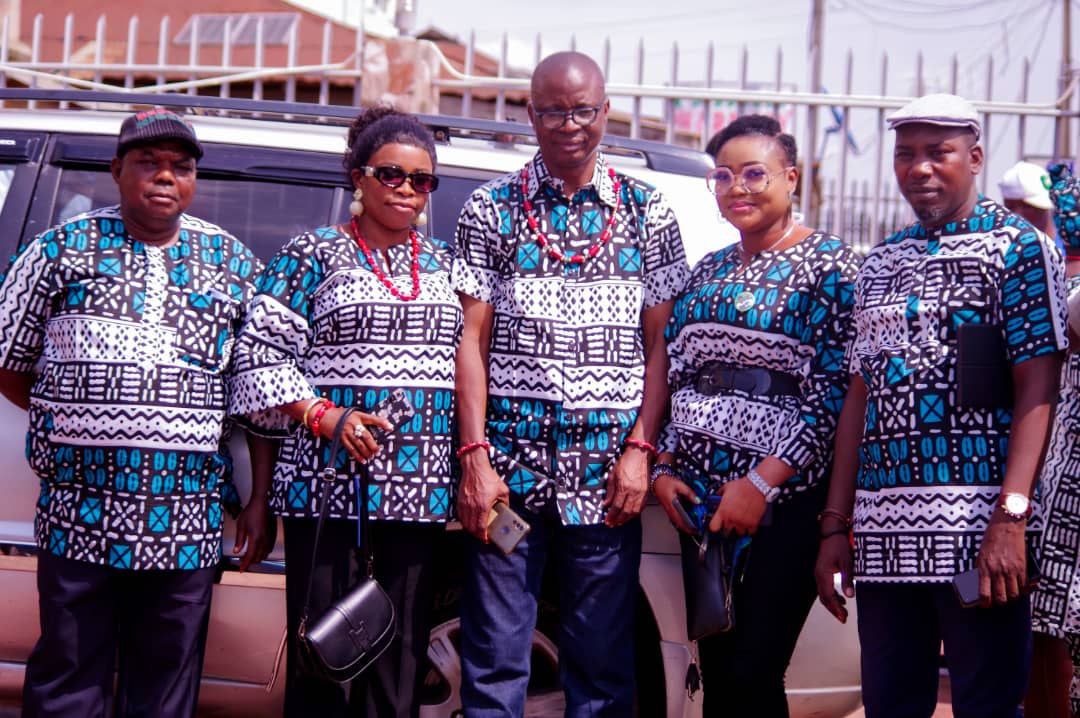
x: 938, y: 109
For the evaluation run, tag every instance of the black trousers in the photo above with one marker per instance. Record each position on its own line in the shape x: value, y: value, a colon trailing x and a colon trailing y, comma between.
x: 743, y: 671
x: 155, y: 620
x: 403, y: 566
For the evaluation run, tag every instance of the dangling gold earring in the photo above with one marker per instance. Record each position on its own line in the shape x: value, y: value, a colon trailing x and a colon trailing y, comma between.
x: 356, y: 207
x: 421, y: 219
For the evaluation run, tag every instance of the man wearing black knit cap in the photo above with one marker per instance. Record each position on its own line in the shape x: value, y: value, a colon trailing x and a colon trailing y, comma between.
x: 116, y: 335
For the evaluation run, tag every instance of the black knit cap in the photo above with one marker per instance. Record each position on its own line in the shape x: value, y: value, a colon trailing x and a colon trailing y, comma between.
x: 157, y: 125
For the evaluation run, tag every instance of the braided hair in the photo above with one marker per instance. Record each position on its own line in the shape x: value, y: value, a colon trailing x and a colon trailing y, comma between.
x: 379, y: 126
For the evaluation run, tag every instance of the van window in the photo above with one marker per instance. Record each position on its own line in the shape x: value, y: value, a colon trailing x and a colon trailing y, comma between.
x: 7, y: 174
x: 263, y: 215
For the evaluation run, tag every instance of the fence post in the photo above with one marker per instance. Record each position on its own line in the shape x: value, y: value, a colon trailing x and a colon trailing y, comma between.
x: 132, y: 44
x: 779, y: 77
x: 707, y: 133
x: 500, y: 98
x: 744, y: 61
x: 260, y: 48
x: 226, y: 57
x: 985, y: 178
x: 163, y: 49
x: 193, y: 52
x: 635, y: 117
x: 466, y: 95
x: 669, y: 106
x: 35, y: 52
x: 4, y: 27
x: 358, y: 61
x: 1021, y: 121
x: 879, y: 155
x: 845, y: 124
x: 69, y: 31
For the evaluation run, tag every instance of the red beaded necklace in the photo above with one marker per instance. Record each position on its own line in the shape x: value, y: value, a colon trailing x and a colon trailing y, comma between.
x: 553, y: 251
x: 414, y: 241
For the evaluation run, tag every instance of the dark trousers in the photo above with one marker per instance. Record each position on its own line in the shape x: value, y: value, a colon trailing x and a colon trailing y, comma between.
x: 743, y: 670
x: 155, y: 620
x: 597, y: 571
x: 403, y: 567
x: 902, y: 627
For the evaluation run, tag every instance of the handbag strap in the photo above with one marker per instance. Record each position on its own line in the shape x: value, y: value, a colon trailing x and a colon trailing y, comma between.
x: 329, y: 476
x: 363, y: 523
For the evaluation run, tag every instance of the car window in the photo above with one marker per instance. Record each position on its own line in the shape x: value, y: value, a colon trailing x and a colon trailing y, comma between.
x: 7, y: 174
x: 264, y: 215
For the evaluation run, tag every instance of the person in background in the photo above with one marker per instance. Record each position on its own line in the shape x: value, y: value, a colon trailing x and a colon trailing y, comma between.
x: 344, y: 316
x: 567, y: 271
x: 940, y: 480
x: 1055, y: 605
x: 1024, y: 191
x: 756, y: 345
x: 129, y: 314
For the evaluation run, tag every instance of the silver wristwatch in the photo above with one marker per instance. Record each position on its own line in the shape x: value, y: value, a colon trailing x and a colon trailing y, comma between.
x: 1016, y: 506
x: 769, y: 492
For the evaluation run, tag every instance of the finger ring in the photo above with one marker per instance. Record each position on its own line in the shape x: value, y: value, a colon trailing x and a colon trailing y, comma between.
x: 359, y: 430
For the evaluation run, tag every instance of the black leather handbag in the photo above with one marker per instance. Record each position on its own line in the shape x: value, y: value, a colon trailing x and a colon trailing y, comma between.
x: 710, y: 568
x: 353, y: 632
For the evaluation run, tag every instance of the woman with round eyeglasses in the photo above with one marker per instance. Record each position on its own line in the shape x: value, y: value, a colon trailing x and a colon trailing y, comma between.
x: 756, y: 343
x: 346, y: 316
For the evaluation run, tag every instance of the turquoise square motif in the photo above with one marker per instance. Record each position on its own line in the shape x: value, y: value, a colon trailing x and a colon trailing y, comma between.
x: 439, y: 501
x: 158, y: 519
x: 120, y: 556
x: 188, y: 557
x: 408, y: 459
x: 90, y: 511
x: 630, y: 259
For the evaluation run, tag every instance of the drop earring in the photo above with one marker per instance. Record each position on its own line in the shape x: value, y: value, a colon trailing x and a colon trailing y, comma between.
x: 421, y: 219
x: 356, y: 207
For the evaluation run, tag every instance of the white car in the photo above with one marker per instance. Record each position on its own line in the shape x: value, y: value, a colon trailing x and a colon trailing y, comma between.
x: 266, y: 178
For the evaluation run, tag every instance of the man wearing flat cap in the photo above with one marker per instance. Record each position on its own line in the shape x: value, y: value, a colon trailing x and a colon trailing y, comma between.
x: 960, y: 331
x: 116, y: 329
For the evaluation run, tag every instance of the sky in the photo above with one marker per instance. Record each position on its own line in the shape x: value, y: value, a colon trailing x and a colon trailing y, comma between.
x: 973, y: 30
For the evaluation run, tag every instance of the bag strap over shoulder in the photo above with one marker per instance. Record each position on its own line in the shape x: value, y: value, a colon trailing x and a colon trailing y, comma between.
x: 328, y: 477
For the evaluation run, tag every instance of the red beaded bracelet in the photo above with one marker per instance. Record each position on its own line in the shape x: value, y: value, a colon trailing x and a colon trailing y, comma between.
x: 317, y: 417
x: 473, y: 446
x: 644, y: 446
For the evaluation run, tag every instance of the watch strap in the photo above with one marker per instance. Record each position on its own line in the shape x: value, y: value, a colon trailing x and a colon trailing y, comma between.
x: 769, y: 492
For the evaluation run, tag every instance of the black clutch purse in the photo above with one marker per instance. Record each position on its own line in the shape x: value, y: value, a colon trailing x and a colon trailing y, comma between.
x: 710, y: 568
x: 983, y: 374
x: 353, y: 632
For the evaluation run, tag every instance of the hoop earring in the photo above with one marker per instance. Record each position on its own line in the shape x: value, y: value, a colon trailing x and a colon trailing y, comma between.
x: 356, y: 207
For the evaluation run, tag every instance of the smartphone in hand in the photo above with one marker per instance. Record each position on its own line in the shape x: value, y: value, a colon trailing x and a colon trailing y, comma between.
x: 506, y: 528
x: 396, y: 408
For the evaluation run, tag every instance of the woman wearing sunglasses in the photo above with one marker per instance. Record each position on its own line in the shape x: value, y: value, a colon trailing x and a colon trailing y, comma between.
x: 756, y: 343
x: 345, y: 316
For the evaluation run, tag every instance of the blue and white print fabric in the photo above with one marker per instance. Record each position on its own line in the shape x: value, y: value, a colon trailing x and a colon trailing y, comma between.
x: 567, y: 364
x: 128, y: 429
x: 930, y: 471
x: 322, y: 324
x: 800, y: 324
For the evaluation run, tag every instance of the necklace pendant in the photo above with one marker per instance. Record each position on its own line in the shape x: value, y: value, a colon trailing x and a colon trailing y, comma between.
x: 744, y: 301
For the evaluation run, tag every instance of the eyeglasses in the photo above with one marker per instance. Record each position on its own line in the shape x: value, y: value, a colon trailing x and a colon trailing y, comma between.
x: 394, y: 176
x: 554, y: 119
x: 753, y: 179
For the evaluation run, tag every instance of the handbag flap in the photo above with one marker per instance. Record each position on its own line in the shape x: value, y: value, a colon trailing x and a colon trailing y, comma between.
x: 356, y: 626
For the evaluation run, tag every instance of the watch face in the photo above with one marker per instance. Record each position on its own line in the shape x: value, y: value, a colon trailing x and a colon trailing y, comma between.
x: 1016, y: 503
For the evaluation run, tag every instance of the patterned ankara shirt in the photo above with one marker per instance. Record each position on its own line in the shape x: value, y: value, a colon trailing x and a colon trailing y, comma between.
x: 930, y: 471
x: 128, y: 430
x: 800, y: 324
x: 566, y: 359
x: 322, y: 324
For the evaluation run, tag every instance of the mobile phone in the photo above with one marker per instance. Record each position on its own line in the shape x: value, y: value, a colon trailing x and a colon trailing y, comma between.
x: 396, y: 408
x: 966, y: 584
x: 506, y: 528
x: 685, y: 515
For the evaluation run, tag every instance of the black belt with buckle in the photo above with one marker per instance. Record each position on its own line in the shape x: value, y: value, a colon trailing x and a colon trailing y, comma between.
x: 714, y: 378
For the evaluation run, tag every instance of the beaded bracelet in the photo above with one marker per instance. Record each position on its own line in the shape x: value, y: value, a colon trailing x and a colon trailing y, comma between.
x: 838, y: 515
x: 473, y: 446
x: 661, y: 470
x: 311, y: 405
x: 317, y: 417
x: 644, y: 446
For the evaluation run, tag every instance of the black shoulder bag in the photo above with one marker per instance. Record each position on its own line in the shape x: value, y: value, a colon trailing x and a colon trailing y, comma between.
x: 353, y: 632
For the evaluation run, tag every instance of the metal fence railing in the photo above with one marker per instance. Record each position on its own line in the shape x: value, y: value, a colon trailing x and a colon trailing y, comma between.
x: 857, y: 204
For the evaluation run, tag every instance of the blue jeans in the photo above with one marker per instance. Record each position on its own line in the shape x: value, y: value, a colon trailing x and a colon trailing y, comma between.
x: 901, y: 629
x: 597, y: 569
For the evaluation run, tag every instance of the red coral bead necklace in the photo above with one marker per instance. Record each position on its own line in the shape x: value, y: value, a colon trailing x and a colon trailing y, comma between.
x: 553, y: 251
x: 414, y: 241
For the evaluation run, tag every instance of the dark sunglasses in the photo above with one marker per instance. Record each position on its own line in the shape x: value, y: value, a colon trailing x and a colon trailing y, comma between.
x: 394, y: 176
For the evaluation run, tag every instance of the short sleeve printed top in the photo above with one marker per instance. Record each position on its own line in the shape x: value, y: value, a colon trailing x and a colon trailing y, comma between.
x: 930, y: 470
x: 566, y: 357
x: 322, y: 324
x: 128, y: 429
